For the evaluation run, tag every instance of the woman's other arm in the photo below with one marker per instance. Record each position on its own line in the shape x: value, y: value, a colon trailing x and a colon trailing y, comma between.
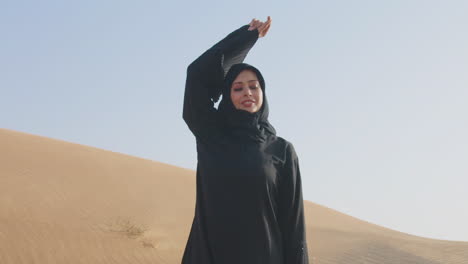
x: 291, y: 211
x: 205, y: 75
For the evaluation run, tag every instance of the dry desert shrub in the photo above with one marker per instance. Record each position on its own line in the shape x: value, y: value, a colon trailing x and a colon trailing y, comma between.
x: 126, y: 227
x: 148, y: 243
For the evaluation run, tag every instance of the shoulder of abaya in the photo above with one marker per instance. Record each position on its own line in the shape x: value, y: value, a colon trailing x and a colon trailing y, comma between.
x: 278, y: 148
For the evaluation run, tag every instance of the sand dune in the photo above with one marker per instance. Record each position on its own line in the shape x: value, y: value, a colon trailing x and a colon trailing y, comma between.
x: 68, y: 203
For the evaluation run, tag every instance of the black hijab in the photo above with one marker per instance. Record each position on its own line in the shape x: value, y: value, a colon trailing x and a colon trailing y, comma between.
x: 242, y: 124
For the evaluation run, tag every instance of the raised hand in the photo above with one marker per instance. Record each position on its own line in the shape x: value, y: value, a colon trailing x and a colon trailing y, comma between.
x: 262, y: 27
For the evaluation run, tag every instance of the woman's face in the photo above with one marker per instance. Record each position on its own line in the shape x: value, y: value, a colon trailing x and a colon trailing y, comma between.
x: 246, y: 93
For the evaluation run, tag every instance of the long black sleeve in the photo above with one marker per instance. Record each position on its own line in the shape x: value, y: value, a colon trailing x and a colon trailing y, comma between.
x: 205, y: 78
x: 291, y: 211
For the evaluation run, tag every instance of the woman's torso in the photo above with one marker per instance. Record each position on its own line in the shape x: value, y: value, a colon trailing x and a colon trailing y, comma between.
x: 238, y: 192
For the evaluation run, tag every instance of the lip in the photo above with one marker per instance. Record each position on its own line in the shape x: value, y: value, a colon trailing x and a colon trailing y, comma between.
x: 248, y: 103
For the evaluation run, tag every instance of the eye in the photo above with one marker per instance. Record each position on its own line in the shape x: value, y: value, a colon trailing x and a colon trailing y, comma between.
x: 253, y: 87
x: 238, y: 89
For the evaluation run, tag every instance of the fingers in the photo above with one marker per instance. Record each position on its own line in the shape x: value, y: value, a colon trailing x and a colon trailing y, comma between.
x: 265, y: 31
x: 255, y: 23
x: 268, y: 22
x: 262, y: 27
x: 251, y: 24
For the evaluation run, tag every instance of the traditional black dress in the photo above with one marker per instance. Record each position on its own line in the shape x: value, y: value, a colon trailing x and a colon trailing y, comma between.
x: 249, y: 206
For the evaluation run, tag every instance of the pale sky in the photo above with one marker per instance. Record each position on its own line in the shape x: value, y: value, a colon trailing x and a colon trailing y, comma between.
x: 384, y: 85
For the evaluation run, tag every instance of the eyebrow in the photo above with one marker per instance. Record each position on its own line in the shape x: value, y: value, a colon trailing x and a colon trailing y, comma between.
x: 247, y: 81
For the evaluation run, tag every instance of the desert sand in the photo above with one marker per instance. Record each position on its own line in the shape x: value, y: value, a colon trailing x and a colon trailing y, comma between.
x: 62, y: 202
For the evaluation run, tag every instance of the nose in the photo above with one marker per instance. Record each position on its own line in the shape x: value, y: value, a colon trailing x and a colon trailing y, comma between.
x: 248, y: 92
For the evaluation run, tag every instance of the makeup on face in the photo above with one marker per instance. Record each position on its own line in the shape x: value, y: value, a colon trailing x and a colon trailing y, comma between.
x: 246, y: 93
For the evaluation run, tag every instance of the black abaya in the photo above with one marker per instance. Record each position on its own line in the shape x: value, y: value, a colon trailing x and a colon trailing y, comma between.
x: 249, y: 206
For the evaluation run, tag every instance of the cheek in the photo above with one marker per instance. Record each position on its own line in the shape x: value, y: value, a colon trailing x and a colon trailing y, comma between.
x: 259, y: 96
x: 234, y: 97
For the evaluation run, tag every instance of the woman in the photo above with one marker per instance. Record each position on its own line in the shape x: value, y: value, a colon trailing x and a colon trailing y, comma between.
x: 249, y: 207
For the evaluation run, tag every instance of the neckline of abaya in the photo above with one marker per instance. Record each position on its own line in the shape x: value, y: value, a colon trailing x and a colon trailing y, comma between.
x: 245, y: 125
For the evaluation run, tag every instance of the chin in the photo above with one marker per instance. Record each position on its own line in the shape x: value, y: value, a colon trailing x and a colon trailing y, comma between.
x: 251, y: 110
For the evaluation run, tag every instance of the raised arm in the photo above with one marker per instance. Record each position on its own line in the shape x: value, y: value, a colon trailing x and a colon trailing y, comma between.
x: 291, y: 211
x: 205, y: 77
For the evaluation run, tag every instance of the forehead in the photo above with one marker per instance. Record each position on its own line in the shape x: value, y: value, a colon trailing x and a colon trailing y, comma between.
x: 246, y: 76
